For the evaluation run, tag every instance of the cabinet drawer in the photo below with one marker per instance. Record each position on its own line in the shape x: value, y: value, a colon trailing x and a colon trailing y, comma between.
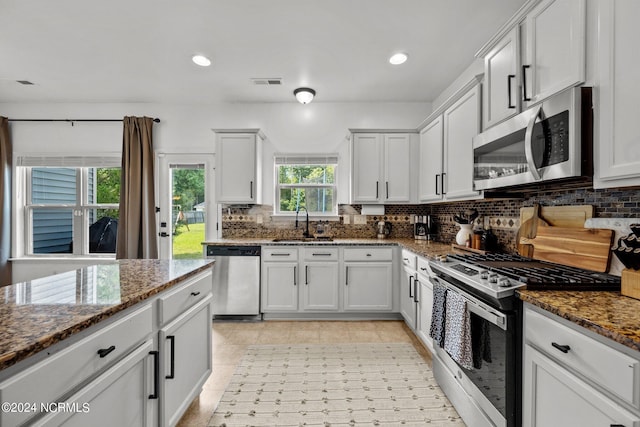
x: 424, y: 268
x: 320, y: 254
x: 614, y: 371
x: 283, y: 253
x: 51, y: 378
x: 177, y: 301
x: 368, y: 254
x: 409, y: 259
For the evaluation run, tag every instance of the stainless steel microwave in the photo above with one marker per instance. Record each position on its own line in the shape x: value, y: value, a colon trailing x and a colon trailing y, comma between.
x: 540, y: 144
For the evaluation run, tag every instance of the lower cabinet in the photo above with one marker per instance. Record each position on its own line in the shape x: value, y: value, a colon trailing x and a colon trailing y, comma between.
x: 185, y: 358
x: 408, y: 297
x: 368, y: 286
x: 320, y: 286
x: 100, y: 403
x: 425, y: 309
x: 279, y: 286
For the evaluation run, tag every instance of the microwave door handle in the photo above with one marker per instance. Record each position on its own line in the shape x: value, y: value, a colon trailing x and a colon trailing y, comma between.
x: 528, y: 144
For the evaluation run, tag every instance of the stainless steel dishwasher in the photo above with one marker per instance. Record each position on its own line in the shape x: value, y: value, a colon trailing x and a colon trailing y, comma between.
x: 236, y: 280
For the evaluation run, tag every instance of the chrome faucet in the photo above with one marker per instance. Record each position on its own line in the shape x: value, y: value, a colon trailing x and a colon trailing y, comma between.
x: 306, y: 233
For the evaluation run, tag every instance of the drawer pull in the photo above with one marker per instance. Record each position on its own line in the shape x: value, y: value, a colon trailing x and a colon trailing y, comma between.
x: 172, y: 359
x: 562, y: 348
x: 617, y: 425
x: 281, y: 254
x: 156, y: 374
x: 195, y: 294
x: 368, y: 254
x: 103, y: 352
x: 423, y: 269
x: 321, y: 254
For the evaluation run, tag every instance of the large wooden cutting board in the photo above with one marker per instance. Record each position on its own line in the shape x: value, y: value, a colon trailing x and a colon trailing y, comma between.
x: 560, y: 216
x: 579, y: 247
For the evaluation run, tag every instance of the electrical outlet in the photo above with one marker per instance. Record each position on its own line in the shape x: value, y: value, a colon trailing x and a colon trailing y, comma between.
x: 346, y: 219
x: 359, y: 219
x: 258, y: 219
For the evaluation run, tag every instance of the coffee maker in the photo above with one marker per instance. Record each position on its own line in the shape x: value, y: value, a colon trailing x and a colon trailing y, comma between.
x: 423, y: 228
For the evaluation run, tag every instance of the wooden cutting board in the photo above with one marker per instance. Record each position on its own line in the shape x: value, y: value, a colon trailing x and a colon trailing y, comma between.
x: 560, y: 216
x: 578, y: 247
x: 528, y: 229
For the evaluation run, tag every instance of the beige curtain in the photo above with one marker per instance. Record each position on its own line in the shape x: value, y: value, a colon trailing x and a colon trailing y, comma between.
x: 5, y: 197
x: 137, y: 234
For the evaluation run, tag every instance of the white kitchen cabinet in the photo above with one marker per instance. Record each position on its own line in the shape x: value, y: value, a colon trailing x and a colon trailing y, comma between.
x: 319, y: 286
x: 462, y: 121
x: 617, y: 141
x: 368, y: 286
x: 501, y: 88
x: 425, y: 304
x: 408, y: 287
x: 239, y: 166
x: 279, y: 286
x: 571, y: 378
x: 185, y: 360
x: 381, y: 168
x: 431, y: 154
x: 554, y: 57
x: 100, y: 403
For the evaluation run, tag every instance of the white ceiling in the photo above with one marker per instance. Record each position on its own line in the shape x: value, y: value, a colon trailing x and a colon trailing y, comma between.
x: 140, y: 50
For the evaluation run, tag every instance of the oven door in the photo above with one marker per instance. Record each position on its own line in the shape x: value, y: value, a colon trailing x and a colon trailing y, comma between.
x: 539, y: 144
x: 493, y: 382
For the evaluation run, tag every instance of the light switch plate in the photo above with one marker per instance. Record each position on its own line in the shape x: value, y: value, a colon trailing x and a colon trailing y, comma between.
x: 359, y: 219
x: 346, y: 219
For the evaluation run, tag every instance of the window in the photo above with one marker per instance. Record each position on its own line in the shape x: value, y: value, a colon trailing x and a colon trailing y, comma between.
x: 306, y: 182
x: 70, y: 209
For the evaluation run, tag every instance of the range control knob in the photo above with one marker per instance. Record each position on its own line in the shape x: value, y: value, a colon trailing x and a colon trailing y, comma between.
x: 504, y: 283
x: 493, y: 278
x: 484, y: 275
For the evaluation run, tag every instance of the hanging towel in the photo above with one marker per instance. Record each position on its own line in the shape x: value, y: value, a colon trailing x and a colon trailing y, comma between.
x: 437, y: 315
x: 457, y: 335
x: 480, y: 341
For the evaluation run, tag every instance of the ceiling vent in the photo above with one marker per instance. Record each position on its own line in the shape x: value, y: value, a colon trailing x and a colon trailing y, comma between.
x: 24, y: 82
x: 269, y: 82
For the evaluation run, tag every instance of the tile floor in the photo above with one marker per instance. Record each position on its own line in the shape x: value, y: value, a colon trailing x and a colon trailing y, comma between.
x: 230, y: 339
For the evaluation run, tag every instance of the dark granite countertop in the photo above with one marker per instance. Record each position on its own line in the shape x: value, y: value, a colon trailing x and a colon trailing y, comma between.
x: 606, y: 313
x: 35, y: 315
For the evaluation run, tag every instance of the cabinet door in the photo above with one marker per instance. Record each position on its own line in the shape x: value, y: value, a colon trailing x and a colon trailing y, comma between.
x: 368, y: 286
x: 425, y: 309
x: 367, y: 167
x: 185, y: 350
x: 431, y: 152
x: 501, y: 94
x: 617, y: 155
x: 397, y: 168
x: 236, y: 168
x: 555, y: 53
x: 320, y: 289
x: 554, y: 397
x: 408, y: 298
x: 118, y: 397
x: 279, y: 286
x: 461, y: 124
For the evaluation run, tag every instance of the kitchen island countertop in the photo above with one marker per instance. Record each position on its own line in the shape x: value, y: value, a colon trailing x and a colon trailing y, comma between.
x: 37, y: 314
x: 606, y: 313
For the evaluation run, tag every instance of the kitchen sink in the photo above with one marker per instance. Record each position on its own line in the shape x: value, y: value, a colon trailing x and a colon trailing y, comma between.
x: 303, y: 239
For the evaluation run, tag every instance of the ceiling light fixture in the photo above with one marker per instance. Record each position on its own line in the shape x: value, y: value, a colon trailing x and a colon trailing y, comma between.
x: 398, y: 58
x: 201, y: 60
x: 304, y: 95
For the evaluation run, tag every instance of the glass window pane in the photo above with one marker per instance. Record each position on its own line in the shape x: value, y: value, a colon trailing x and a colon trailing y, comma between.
x: 52, y: 231
x: 103, y: 230
x: 314, y: 199
x: 188, y: 210
x: 104, y: 185
x: 53, y: 185
x: 306, y: 174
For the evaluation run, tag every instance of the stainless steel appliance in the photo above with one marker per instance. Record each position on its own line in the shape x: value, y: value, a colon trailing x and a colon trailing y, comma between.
x: 236, y: 280
x: 490, y: 394
x: 423, y: 227
x: 551, y: 140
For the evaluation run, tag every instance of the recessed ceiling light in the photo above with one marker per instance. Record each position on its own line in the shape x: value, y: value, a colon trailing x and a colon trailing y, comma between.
x: 201, y: 60
x: 398, y: 58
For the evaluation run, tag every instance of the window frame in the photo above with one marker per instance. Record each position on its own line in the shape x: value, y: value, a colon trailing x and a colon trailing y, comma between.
x: 80, y: 209
x: 305, y: 160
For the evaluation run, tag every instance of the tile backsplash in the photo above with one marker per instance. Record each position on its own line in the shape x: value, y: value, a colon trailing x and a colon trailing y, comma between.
x: 502, y: 215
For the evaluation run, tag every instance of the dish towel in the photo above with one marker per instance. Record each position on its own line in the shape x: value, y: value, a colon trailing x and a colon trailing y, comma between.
x: 438, y: 314
x: 457, y: 335
x: 480, y: 341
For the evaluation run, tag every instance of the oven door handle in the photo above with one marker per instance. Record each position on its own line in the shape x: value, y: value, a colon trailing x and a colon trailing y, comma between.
x: 528, y: 143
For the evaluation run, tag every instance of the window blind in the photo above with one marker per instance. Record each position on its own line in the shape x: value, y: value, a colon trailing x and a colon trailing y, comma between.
x: 109, y: 160
x: 306, y: 159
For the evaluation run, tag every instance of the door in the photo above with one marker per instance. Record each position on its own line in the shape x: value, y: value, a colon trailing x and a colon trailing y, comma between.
x: 188, y: 215
x: 237, y: 167
x: 367, y: 164
x: 431, y: 151
x: 407, y: 297
x: 425, y: 310
x: 397, y: 173
x: 279, y: 286
x: 368, y: 286
x: 320, y: 290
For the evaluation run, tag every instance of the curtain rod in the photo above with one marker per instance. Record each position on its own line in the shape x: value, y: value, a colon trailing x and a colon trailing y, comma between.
x: 156, y: 120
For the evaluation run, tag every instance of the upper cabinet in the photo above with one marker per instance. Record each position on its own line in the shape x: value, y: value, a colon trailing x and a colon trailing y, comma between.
x: 539, y: 52
x: 239, y: 166
x: 431, y: 154
x: 381, y: 171
x: 555, y: 48
x: 501, y: 80
x: 617, y: 142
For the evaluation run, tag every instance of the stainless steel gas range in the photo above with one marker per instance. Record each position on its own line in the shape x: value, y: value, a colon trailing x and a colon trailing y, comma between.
x: 489, y: 393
